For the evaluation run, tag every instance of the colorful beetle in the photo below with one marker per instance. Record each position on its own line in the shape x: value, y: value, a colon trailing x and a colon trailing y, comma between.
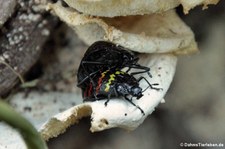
x: 115, y: 84
x: 100, y: 74
x: 102, y: 56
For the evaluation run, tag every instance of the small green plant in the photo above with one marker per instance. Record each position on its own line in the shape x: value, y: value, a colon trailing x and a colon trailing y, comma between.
x: 30, y: 135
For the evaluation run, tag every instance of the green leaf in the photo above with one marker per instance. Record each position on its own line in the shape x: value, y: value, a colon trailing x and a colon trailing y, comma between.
x: 30, y: 135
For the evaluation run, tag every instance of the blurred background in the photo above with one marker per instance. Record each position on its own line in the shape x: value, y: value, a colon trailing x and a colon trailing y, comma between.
x: 195, y: 103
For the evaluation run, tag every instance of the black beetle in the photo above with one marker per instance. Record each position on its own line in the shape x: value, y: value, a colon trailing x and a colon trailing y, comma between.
x: 100, y: 74
x: 102, y: 56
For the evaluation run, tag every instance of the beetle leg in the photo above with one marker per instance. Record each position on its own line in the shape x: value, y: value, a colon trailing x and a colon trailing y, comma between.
x: 149, y: 85
x: 89, y: 75
x: 109, y: 95
x: 106, y: 102
x: 134, y: 104
x: 134, y: 62
x: 137, y: 66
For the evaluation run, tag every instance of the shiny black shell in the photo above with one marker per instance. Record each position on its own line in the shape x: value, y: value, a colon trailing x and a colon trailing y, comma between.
x: 102, y: 56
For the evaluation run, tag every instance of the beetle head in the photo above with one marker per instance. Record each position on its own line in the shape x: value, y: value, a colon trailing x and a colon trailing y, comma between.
x: 126, y: 89
x: 136, y: 91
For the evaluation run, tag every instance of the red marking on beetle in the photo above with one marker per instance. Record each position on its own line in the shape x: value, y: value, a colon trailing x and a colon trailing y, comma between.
x: 99, y: 84
x: 100, y: 81
x: 85, y: 93
x: 90, y: 89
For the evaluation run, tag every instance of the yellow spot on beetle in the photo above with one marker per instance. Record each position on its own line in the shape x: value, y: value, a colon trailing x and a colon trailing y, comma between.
x: 112, y: 78
x: 119, y: 72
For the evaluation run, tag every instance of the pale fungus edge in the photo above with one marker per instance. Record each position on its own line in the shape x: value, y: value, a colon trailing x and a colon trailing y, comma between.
x: 118, y: 112
x: 134, y: 7
x: 156, y: 33
x: 190, y: 4
x: 121, y: 8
